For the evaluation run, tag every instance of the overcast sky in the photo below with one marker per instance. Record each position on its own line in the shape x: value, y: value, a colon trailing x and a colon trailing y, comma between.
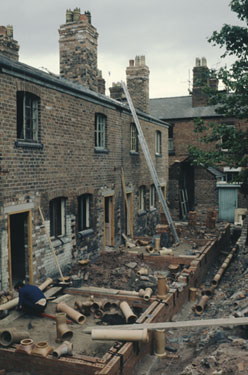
x: 170, y: 33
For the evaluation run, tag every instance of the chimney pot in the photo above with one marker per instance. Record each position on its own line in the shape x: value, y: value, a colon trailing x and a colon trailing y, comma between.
x: 131, y: 62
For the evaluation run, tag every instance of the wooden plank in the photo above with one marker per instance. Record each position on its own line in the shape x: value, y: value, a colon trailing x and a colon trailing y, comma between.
x: 183, y: 324
x: 50, y: 292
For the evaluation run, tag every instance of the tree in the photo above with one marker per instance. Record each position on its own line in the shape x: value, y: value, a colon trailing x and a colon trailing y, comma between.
x: 230, y: 144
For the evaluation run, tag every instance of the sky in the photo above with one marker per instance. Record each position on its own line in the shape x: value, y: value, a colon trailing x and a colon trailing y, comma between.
x: 170, y: 33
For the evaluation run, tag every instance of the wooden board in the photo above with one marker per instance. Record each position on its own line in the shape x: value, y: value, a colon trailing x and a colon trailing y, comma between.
x: 182, y: 324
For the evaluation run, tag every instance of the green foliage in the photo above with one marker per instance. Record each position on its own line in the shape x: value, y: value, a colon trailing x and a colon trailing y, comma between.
x: 230, y: 145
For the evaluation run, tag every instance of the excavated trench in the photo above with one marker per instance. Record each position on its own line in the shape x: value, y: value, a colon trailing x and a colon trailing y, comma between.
x: 115, y: 277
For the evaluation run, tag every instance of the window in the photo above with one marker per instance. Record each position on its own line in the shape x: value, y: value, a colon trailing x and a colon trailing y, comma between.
x: 134, y: 139
x: 226, y: 139
x: 152, y: 197
x: 100, y: 131
x: 158, y: 143
x: 27, y: 116
x: 231, y: 174
x: 170, y: 139
x: 57, y: 210
x: 142, y: 197
x: 84, y: 212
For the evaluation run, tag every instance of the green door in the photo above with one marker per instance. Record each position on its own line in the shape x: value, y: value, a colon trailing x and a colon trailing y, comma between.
x: 228, y: 201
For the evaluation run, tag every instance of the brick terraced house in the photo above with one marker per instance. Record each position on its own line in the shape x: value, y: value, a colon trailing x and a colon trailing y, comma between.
x: 63, y: 147
x: 194, y: 187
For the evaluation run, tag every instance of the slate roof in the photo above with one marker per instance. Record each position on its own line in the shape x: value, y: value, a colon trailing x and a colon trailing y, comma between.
x: 179, y: 107
x: 50, y: 80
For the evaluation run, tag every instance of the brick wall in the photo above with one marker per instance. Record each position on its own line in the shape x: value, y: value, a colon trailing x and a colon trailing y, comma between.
x: 66, y: 164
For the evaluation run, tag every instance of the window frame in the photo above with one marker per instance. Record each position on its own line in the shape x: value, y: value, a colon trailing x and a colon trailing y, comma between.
x: 100, y: 131
x: 84, y: 212
x: 134, y: 140
x: 158, y: 143
x: 27, y: 116
x: 57, y: 215
x: 142, y: 198
x: 152, y: 197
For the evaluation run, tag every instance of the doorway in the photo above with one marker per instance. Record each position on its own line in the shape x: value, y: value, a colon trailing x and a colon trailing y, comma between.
x: 109, y: 221
x: 20, y: 247
x: 129, y: 215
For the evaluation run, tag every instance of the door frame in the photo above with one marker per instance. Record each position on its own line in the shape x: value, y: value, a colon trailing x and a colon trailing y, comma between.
x: 129, y: 195
x: 30, y: 247
x: 112, y: 223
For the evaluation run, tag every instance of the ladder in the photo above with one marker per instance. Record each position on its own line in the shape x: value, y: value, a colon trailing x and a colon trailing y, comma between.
x: 150, y: 164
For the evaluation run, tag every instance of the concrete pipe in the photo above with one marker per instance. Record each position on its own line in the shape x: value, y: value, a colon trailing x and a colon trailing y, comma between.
x: 11, y: 336
x: 63, y: 331
x: 75, y: 315
x: 162, y: 287
x: 42, y: 349
x: 128, y: 313
x: 65, y: 348
x: 147, y: 294
x: 201, y: 305
x: 193, y: 294
x: 159, y: 342
x: 143, y: 271
x: 25, y: 346
x: 120, y: 334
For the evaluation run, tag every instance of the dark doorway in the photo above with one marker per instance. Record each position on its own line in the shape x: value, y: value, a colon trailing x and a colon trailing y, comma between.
x: 19, y: 243
x: 187, y: 188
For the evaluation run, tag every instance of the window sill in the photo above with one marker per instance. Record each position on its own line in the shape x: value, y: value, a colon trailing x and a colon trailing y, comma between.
x: 59, y: 241
x: 85, y: 233
x: 158, y: 155
x: 101, y: 150
x: 28, y: 144
x: 141, y: 212
x: 135, y: 153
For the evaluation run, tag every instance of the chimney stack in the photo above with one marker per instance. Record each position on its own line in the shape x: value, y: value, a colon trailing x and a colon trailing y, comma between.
x: 201, y: 81
x: 78, y: 50
x: 116, y: 92
x: 8, y: 46
x: 138, y: 83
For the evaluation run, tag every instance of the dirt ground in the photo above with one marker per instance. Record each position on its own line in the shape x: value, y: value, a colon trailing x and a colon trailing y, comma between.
x: 210, y: 351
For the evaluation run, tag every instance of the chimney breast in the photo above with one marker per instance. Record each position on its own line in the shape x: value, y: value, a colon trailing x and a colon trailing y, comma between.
x: 137, y: 74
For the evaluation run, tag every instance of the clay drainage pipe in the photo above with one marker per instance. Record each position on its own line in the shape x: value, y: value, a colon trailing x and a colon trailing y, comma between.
x: 11, y: 336
x: 223, y: 267
x: 200, y: 307
x: 128, y: 313
x: 73, y: 314
x: 147, y: 294
x: 120, y: 334
x: 65, y: 348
